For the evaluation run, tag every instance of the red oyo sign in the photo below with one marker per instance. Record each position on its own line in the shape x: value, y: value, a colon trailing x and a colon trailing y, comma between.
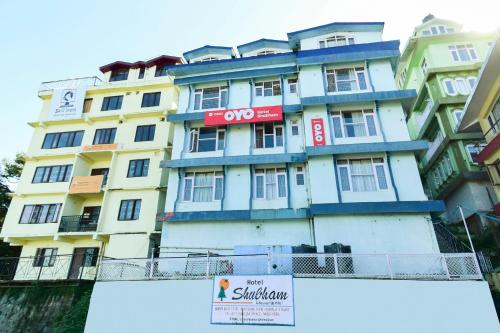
x: 318, y: 132
x: 255, y: 114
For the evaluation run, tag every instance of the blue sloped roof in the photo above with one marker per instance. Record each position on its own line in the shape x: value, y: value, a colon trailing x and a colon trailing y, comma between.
x: 263, y: 43
x: 208, y: 49
x: 295, y: 36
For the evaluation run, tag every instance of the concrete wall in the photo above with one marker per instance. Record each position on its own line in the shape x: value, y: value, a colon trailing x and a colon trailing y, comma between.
x: 321, y: 305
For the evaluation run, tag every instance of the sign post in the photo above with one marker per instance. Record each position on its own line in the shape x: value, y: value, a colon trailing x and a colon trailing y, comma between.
x: 253, y: 300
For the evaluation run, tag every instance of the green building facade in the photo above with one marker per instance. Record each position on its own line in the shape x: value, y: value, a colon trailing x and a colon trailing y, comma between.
x: 442, y: 63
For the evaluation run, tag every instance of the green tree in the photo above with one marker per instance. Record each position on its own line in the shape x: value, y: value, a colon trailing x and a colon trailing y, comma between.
x: 10, y: 171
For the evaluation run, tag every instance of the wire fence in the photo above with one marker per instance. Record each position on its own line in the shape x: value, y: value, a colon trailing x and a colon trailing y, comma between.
x: 450, y: 266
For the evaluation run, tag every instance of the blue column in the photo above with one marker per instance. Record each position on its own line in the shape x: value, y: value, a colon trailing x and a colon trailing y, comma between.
x: 339, y: 193
x: 289, y: 196
x: 251, y: 186
x: 179, y: 186
x: 389, y: 166
x: 224, y: 176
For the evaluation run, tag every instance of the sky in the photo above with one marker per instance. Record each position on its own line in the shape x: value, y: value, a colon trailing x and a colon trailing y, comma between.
x: 54, y: 40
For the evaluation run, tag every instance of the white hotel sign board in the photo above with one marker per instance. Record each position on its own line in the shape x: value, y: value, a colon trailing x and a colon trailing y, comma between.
x: 253, y: 300
x: 67, y: 103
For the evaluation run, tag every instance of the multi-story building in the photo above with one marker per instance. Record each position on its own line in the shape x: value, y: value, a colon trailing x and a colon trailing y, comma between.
x: 92, y: 183
x: 442, y: 63
x: 483, y: 109
x: 298, y: 141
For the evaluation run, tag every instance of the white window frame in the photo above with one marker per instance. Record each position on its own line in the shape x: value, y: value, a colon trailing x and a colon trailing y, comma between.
x: 478, y: 147
x: 195, y: 133
x: 424, y: 66
x: 462, y: 86
x: 293, y: 82
x: 335, y: 40
x: 454, y: 113
x: 261, y: 172
x: 266, y: 52
x: 468, y: 48
x: 300, y: 170
x: 215, y: 174
x: 445, y: 88
x: 262, y: 126
x: 339, y: 114
x: 375, y: 161
x: 199, y: 92
x: 357, y: 70
x: 471, y: 86
x: 260, y: 86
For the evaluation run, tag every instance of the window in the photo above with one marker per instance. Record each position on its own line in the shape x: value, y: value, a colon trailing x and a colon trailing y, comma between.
x: 87, y: 103
x: 138, y: 168
x: 145, y: 133
x: 142, y: 71
x: 295, y: 127
x: 210, y: 98
x: 35, y: 214
x: 292, y: 86
x: 52, y: 174
x: 473, y: 150
x: 449, y: 87
x: 207, y: 59
x: 203, y: 186
x: 494, y: 117
x: 151, y: 99
x: 207, y: 139
x: 119, y: 75
x: 346, y: 79
x: 362, y: 175
x: 90, y: 256
x: 270, y: 183
x: 269, y: 88
x: 268, y: 135
x: 104, y: 136
x: 266, y: 52
x: 161, y: 70
x: 402, y: 78
x: 45, y: 257
x: 299, y: 176
x: 338, y: 40
x: 129, y: 210
x: 462, y: 86
x: 463, y: 52
x: 471, y: 80
x: 112, y: 103
x: 457, y: 116
x: 349, y: 124
x: 442, y: 171
x: 424, y: 66
x: 62, y: 139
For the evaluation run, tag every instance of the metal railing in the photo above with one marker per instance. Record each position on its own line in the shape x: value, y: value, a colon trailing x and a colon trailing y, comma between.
x: 492, y: 132
x: 56, y: 267
x: 70, y: 83
x: 433, y: 147
x: 448, y: 266
x: 78, y: 223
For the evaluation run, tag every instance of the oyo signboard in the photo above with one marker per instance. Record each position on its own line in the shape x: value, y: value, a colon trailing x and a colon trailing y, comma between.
x: 256, y: 114
x: 253, y: 300
x: 318, y: 132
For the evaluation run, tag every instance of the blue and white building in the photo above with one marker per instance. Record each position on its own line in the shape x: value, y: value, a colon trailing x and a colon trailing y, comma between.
x: 338, y: 166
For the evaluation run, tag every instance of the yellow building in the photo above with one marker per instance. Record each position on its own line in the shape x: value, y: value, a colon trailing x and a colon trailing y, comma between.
x: 483, y: 110
x: 92, y: 184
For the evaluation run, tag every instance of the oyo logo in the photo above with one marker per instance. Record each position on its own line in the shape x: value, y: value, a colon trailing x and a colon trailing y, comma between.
x: 318, y: 132
x: 237, y: 115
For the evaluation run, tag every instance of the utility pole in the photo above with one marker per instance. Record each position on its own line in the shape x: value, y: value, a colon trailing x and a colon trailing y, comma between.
x: 466, y: 228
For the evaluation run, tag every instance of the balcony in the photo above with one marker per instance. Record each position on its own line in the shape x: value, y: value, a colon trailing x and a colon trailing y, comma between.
x: 69, y: 83
x: 86, y: 184
x: 433, y: 147
x: 420, y: 120
x: 78, y: 223
x: 435, y: 266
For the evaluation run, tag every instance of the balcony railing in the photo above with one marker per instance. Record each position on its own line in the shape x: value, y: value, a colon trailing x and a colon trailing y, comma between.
x: 78, y: 223
x: 70, y: 83
x: 57, y: 267
x: 449, y: 266
x: 433, y: 146
x: 423, y: 117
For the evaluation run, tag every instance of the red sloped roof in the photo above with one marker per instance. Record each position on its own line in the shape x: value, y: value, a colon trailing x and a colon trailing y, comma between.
x: 161, y: 60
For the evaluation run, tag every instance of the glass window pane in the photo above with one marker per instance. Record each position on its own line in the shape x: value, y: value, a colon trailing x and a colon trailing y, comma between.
x: 337, y: 127
x: 382, y: 181
x: 370, y: 123
x: 259, y: 186
x: 218, y: 188
x: 344, y: 179
x: 362, y: 81
x: 282, y: 186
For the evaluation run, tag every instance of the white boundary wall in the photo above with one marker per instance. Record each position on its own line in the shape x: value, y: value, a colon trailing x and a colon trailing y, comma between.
x: 321, y: 305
